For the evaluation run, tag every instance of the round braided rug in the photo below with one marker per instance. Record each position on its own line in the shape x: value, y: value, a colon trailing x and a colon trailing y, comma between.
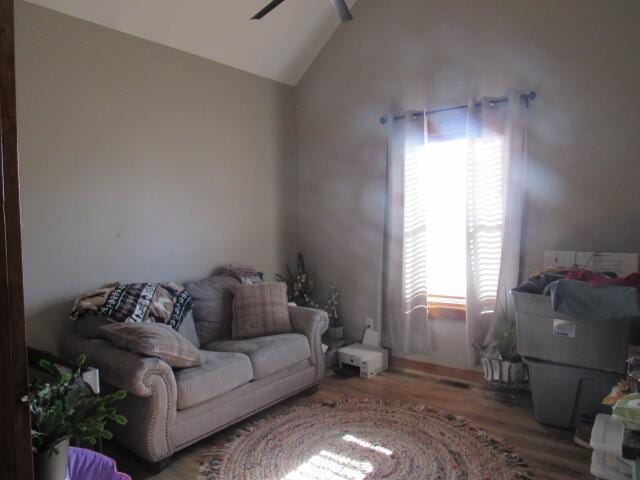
x: 361, y: 440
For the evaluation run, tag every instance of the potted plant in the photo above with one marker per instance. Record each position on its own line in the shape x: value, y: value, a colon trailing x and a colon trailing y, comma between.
x: 64, y: 410
x: 513, y: 370
x: 500, y: 360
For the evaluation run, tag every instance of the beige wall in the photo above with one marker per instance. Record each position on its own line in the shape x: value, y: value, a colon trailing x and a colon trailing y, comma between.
x: 580, y: 56
x: 140, y: 163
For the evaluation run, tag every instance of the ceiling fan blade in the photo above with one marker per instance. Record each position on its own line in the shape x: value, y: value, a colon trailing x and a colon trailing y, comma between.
x: 266, y: 9
x: 343, y: 10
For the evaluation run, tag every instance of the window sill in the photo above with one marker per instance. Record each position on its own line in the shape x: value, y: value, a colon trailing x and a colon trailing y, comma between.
x: 448, y: 312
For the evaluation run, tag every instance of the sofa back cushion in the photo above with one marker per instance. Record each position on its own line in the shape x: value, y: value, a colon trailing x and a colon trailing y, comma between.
x: 154, y: 340
x: 88, y: 325
x: 211, y: 304
x: 260, y: 309
x: 188, y: 329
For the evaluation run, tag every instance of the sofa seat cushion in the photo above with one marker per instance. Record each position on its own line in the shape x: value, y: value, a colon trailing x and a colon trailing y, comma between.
x: 268, y: 354
x: 220, y: 373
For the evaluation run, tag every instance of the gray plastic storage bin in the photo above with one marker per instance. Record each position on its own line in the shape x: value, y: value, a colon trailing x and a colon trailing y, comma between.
x: 595, y: 344
x: 561, y: 393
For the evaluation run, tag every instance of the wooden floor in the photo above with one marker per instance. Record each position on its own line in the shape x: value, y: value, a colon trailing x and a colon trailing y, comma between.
x: 549, y: 452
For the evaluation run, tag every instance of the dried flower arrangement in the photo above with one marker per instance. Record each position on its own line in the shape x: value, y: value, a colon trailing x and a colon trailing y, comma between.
x: 300, y: 290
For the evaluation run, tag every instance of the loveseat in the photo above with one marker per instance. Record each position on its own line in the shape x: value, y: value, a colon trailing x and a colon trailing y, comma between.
x: 169, y: 409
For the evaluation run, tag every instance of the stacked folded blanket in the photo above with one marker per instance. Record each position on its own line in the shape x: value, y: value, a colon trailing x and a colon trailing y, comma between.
x: 157, y: 302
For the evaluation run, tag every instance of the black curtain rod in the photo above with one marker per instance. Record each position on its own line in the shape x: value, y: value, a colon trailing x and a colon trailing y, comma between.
x: 524, y: 98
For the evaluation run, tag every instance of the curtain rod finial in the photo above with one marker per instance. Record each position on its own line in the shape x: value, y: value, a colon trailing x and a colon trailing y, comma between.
x: 528, y: 97
x: 383, y: 120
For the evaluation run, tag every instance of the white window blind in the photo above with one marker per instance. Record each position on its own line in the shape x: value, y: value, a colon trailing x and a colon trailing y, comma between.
x: 485, y: 215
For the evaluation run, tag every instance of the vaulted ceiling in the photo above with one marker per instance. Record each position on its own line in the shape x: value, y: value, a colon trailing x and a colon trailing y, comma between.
x: 281, y: 47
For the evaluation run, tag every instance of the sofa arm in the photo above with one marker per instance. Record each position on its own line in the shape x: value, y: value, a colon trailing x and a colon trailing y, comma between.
x: 151, y: 405
x: 312, y: 323
x: 118, y: 367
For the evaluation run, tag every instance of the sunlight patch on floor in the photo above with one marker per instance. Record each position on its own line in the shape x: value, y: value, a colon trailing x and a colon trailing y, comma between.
x: 330, y: 466
x: 365, y: 444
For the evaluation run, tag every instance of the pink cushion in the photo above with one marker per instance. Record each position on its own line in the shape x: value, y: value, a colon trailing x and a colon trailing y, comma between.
x: 154, y: 340
x: 260, y: 309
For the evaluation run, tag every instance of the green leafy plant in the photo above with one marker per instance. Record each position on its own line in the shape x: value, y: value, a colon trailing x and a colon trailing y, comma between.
x: 506, y: 341
x: 65, y: 408
x: 506, y: 333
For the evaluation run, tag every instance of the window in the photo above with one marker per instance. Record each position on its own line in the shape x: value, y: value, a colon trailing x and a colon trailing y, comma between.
x: 452, y: 205
x: 444, y: 203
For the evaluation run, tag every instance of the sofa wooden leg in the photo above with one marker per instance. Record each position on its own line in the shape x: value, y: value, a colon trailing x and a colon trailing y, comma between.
x: 157, y: 467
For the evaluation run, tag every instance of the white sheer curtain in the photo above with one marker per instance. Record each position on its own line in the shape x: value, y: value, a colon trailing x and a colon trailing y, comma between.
x: 497, y: 135
x: 404, y: 289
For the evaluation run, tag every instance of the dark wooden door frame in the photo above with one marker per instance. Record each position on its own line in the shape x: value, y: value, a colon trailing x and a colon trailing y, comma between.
x: 15, y: 432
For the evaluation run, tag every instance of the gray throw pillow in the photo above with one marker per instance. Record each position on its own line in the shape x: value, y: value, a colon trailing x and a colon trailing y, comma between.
x: 154, y: 340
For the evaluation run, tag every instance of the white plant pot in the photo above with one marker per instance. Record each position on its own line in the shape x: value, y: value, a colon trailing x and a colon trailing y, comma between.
x: 513, y: 372
x: 51, y: 465
x: 496, y: 370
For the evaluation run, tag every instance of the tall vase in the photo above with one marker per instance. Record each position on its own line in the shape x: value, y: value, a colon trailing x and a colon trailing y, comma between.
x: 51, y: 465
